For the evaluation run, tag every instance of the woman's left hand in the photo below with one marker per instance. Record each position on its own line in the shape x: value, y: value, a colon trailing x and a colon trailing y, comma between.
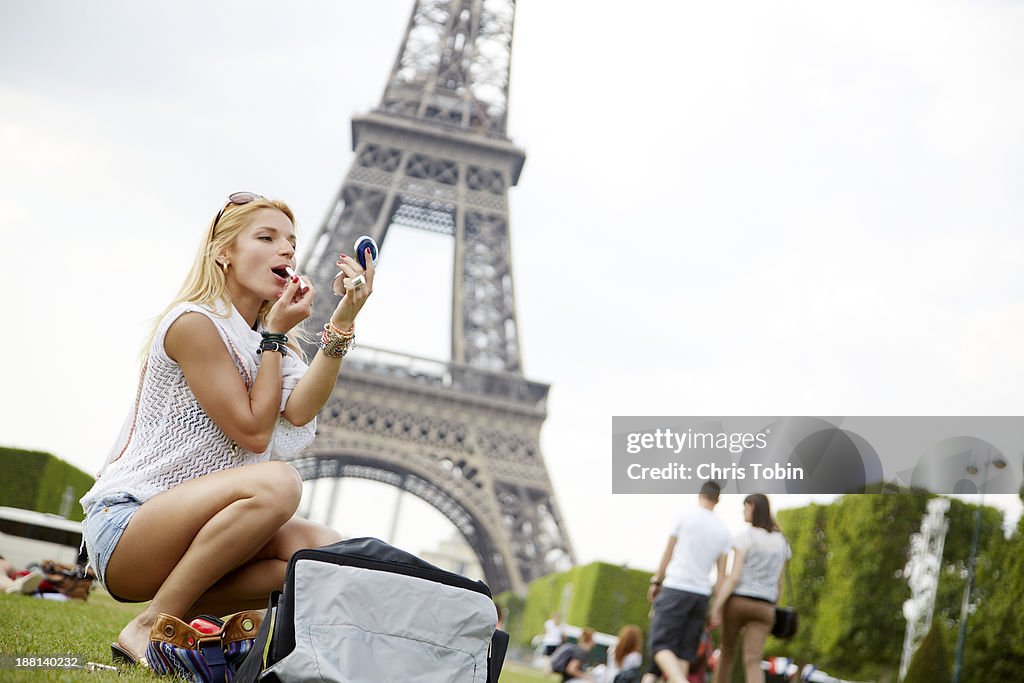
x: 353, y: 284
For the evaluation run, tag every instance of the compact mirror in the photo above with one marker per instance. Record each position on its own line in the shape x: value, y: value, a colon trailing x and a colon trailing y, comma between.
x: 362, y: 243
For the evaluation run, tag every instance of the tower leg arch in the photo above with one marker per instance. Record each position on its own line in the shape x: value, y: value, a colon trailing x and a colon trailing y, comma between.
x: 444, y: 496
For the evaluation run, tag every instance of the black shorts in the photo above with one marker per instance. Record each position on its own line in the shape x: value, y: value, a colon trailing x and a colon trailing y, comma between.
x: 548, y: 649
x: 678, y: 622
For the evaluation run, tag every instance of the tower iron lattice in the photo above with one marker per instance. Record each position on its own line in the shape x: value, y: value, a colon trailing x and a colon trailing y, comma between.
x: 461, y: 434
x: 922, y: 571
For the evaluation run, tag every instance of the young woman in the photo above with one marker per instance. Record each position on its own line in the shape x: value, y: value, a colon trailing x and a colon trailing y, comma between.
x: 627, y: 653
x: 746, y: 601
x: 190, y: 512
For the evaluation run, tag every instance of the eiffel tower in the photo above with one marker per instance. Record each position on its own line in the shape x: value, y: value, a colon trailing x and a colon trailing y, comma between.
x: 463, y: 435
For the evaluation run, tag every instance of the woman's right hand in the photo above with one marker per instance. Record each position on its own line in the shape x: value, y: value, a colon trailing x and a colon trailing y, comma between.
x: 291, y: 308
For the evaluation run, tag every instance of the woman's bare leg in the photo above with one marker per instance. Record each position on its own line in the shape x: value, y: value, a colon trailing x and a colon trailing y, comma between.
x: 182, y: 541
x: 249, y: 586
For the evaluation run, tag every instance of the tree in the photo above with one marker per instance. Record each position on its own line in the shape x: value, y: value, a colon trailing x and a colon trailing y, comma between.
x: 988, y: 578
x: 859, y: 626
x: 849, y: 586
x: 994, y: 650
x: 930, y: 664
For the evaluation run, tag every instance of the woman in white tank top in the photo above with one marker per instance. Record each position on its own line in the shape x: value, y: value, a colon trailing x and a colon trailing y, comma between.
x: 190, y: 512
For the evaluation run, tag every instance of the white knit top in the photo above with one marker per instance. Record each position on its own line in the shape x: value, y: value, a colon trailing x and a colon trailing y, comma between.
x: 767, y: 552
x: 168, y: 438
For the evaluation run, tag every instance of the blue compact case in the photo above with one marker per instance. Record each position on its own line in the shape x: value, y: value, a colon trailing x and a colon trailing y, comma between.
x: 361, y: 244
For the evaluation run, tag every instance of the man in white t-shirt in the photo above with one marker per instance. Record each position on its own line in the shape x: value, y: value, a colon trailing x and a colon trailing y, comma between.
x: 681, y: 587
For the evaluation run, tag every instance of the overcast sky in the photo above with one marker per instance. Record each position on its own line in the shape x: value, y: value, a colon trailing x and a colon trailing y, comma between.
x: 791, y: 208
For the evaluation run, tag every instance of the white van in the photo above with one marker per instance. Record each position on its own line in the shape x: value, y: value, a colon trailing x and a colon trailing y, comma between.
x: 28, y: 536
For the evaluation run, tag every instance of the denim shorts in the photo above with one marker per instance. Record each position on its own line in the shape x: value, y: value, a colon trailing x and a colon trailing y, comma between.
x: 104, y: 523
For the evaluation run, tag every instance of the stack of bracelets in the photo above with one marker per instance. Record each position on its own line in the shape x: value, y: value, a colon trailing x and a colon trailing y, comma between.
x: 273, y: 341
x: 335, y: 343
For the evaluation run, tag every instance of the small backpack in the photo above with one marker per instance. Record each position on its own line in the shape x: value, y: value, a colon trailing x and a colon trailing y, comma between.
x: 362, y: 611
x: 561, y: 656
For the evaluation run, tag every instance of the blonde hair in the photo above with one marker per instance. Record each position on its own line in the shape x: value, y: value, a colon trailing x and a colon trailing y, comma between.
x: 206, y: 282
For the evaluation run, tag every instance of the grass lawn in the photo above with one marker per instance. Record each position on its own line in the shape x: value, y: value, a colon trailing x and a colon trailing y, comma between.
x: 32, y: 627
x: 517, y: 673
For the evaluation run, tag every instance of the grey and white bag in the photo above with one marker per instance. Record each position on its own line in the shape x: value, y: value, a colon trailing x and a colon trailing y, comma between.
x: 362, y: 611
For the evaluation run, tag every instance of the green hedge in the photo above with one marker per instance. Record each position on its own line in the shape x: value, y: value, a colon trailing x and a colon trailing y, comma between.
x: 618, y: 597
x: 34, y: 480
x: 551, y: 593
x: 805, y: 530
x: 601, y: 596
x: 511, y: 605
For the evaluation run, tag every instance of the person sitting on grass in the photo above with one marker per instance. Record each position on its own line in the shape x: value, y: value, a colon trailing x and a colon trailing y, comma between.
x: 575, y: 669
x: 15, y: 582
x: 627, y: 653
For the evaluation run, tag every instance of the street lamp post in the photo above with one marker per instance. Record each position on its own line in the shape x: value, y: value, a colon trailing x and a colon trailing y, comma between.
x: 998, y: 462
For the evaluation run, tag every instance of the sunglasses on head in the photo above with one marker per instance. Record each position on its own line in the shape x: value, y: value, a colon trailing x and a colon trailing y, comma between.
x: 234, y: 199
